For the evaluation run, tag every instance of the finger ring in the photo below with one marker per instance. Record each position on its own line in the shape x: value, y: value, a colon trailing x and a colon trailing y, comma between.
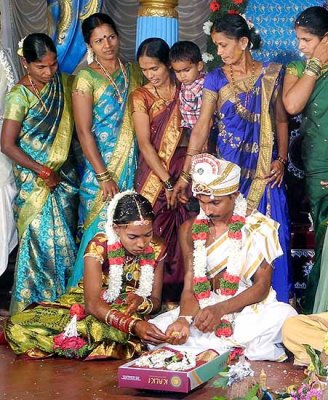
x: 273, y: 171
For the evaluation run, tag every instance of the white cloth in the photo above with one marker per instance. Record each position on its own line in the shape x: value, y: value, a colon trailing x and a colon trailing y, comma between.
x: 8, y: 234
x: 257, y: 328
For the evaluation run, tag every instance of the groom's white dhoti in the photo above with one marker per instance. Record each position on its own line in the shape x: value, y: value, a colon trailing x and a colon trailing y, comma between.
x: 257, y: 328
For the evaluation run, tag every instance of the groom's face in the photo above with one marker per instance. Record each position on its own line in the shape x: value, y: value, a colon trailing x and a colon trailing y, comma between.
x: 219, y: 208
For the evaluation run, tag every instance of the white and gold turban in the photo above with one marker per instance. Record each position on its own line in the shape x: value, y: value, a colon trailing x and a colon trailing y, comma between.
x: 213, y: 177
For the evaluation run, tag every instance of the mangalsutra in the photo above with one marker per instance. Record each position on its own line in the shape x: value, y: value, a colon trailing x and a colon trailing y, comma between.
x: 166, y: 101
x: 111, y: 80
x: 251, y: 82
x: 36, y: 92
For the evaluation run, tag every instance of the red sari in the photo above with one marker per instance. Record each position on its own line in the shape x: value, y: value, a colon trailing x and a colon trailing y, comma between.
x: 165, y: 134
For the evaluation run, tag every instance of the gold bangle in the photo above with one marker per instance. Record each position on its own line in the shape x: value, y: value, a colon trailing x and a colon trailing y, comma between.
x: 185, y: 176
x: 106, y: 316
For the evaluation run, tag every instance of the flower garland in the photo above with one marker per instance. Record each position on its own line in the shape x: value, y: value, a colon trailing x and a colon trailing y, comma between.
x: 229, y: 283
x: 7, y: 69
x: 218, y: 9
x: 116, y: 258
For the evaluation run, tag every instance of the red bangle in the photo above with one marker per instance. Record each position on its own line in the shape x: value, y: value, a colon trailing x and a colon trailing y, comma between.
x: 45, y: 172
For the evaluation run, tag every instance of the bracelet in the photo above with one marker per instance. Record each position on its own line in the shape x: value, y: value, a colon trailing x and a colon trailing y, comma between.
x: 313, y: 67
x: 146, y: 307
x: 104, y: 177
x: 132, y: 324
x: 169, y: 185
x: 188, y: 318
x: 185, y: 176
x: 282, y: 160
x: 106, y: 316
x: 45, y: 172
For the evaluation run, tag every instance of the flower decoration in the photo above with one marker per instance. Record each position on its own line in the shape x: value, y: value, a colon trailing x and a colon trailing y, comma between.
x: 219, y: 8
x: 68, y: 343
x: 20, y: 47
x: 8, y: 71
x: 229, y: 283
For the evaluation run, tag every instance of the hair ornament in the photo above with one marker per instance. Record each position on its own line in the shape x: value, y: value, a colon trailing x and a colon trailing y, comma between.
x: 20, y: 46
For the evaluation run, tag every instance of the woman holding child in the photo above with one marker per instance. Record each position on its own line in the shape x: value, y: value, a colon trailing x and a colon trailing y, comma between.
x: 157, y: 121
x: 104, y: 315
x: 253, y: 130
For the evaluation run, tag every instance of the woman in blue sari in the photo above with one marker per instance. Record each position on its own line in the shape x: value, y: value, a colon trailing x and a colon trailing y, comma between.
x: 104, y: 128
x: 36, y: 135
x: 253, y: 130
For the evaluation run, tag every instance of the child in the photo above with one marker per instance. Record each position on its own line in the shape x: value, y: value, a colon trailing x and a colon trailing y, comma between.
x: 186, y: 61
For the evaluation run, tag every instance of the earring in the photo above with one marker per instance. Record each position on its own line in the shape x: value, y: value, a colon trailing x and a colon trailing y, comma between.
x: 90, y: 55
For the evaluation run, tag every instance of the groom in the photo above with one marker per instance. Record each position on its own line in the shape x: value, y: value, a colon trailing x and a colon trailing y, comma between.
x: 227, y: 298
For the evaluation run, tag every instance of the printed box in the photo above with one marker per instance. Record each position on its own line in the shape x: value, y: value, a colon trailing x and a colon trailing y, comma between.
x: 208, y: 364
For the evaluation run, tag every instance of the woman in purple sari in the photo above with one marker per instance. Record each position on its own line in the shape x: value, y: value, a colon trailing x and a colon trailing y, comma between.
x: 156, y: 118
x: 253, y: 130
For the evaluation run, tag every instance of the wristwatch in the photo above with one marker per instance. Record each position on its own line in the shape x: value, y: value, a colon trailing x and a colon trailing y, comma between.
x: 188, y: 318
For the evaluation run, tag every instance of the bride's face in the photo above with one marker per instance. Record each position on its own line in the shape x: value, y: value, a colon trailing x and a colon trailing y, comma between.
x: 135, y: 237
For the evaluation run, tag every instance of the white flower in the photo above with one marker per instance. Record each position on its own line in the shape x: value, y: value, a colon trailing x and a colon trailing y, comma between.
x: 7, y: 69
x: 20, y: 43
x: 249, y: 22
x: 207, y: 27
x: 206, y: 57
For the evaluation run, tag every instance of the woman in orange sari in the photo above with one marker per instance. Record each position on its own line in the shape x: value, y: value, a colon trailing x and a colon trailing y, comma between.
x: 156, y: 118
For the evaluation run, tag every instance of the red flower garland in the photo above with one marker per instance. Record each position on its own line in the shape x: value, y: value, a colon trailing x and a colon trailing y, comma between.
x: 224, y: 328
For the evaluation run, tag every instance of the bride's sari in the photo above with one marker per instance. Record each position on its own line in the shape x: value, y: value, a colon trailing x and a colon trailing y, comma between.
x: 247, y: 138
x: 116, y: 142
x: 45, y: 219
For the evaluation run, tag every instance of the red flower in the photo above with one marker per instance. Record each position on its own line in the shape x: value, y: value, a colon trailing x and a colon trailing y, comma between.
x: 232, y: 12
x: 203, y: 295
x: 238, y: 1
x: 116, y: 260
x: 144, y: 261
x: 78, y: 310
x: 148, y: 250
x: 200, y: 279
x: 236, y: 353
x: 231, y: 278
x: 114, y: 246
x: 235, y: 235
x: 68, y: 343
x: 224, y: 328
x: 214, y: 6
x: 200, y: 236
x: 238, y: 218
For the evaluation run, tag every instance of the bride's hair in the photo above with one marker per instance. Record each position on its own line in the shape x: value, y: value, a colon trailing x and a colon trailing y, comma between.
x: 132, y: 207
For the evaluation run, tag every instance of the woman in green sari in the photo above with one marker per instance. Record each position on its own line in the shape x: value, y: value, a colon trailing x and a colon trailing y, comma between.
x: 104, y: 127
x: 103, y: 317
x: 36, y: 135
x: 305, y: 91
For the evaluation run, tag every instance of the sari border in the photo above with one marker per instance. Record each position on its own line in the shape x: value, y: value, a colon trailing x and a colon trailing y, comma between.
x: 153, y: 185
x: 266, y: 138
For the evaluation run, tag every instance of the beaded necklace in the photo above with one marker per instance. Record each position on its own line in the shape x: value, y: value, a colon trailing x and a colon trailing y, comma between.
x: 36, y: 92
x: 251, y: 81
x: 111, y: 80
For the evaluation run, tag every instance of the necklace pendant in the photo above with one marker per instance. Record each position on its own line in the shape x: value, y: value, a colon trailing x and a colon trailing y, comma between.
x: 120, y: 100
x: 129, y: 276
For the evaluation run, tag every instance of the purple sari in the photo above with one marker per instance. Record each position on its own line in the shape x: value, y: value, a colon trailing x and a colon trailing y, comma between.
x: 247, y: 137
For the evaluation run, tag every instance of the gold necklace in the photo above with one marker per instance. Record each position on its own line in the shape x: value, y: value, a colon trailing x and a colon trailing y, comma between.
x: 111, y: 80
x: 251, y: 83
x: 36, y: 92
x: 166, y: 101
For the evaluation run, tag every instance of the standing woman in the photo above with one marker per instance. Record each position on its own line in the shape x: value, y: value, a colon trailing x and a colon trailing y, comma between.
x: 157, y: 122
x: 305, y: 91
x: 104, y: 128
x: 253, y: 130
x: 36, y: 135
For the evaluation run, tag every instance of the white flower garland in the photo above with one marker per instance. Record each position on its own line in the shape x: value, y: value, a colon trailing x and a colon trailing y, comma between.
x: 8, y: 70
x: 200, y: 253
x: 115, y: 273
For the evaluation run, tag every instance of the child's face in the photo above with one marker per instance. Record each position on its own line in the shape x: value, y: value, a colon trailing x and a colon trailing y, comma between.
x: 186, y: 71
